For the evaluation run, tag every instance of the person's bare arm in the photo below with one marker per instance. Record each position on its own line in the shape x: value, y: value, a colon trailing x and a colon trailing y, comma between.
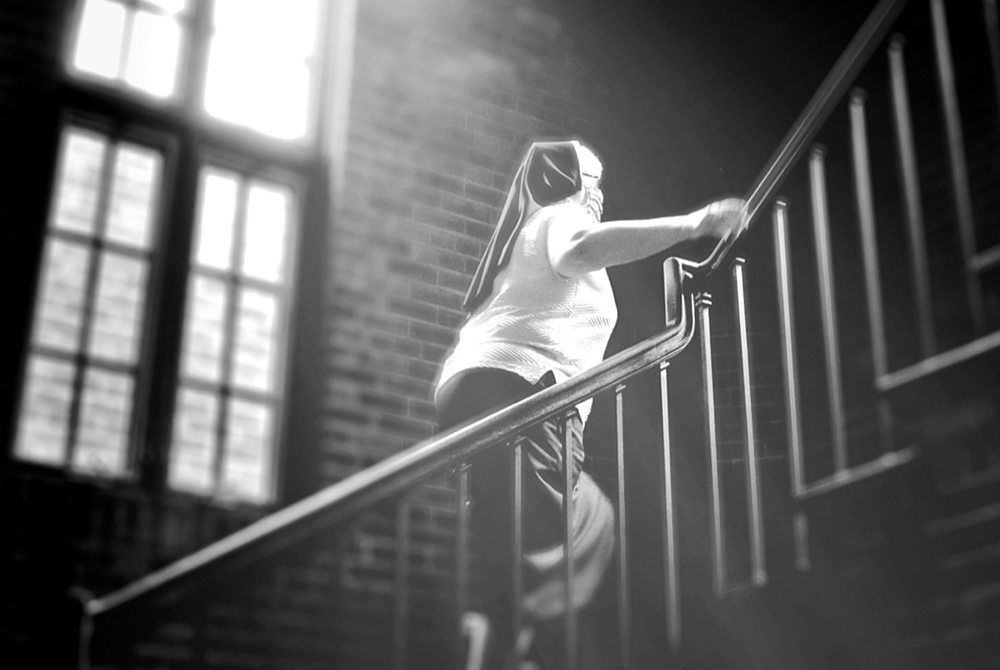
x: 575, y: 250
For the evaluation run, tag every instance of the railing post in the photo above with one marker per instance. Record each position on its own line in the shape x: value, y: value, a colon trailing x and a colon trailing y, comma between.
x: 758, y: 570
x: 79, y: 629
x: 992, y: 21
x: 624, y: 599
x: 789, y: 351
x: 907, y: 161
x: 517, y: 542
x: 957, y: 167
x: 570, y: 627
x: 703, y: 303
x: 461, y: 557
x: 869, y: 252
x: 828, y: 305
x: 401, y: 604
x: 672, y: 596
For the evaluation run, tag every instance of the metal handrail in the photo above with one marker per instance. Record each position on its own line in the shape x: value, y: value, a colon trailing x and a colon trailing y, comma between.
x: 816, y: 112
x: 430, y: 457
x: 407, y: 468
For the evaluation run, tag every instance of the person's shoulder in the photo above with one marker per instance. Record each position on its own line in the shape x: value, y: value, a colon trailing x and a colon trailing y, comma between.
x: 566, y: 210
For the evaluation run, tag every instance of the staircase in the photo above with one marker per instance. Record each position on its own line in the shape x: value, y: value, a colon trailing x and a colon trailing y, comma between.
x: 848, y: 510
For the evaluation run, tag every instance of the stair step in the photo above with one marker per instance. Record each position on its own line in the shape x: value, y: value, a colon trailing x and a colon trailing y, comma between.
x: 971, y: 569
x: 970, y: 492
x: 968, y: 531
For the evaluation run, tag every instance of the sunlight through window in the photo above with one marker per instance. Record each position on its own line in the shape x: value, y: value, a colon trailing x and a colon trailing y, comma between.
x: 136, y: 43
x: 76, y: 407
x: 259, y: 67
x: 224, y: 424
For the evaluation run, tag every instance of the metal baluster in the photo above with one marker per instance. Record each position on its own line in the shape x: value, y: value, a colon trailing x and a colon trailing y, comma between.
x: 401, y: 605
x: 821, y: 228
x: 624, y: 608
x: 869, y: 252
x: 907, y: 158
x: 801, y: 531
x: 957, y: 166
x: 517, y: 543
x: 758, y: 570
x: 461, y: 558
x: 571, y: 628
x: 788, y: 349
x: 993, y: 37
x: 703, y: 304
x: 672, y: 596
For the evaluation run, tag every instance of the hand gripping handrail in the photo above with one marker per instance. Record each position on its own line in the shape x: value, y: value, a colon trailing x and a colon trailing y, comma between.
x: 407, y: 468
x: 804, y: 130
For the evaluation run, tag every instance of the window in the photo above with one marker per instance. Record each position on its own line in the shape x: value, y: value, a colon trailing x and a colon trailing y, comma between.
x: 83, y: 365
x: 260, y: 64
x: 167, y: 232
x: 260, y: 71
x: 137, y: 43
x: 237, y: 300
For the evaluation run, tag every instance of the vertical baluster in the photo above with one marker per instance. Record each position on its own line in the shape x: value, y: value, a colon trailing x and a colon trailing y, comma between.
x: 801, y: 532
x: 672, y: 597
x: 907, y: 160
x: 758, y: 570
x: 957, y: 166
x: 281, y: 577
x: 993, y: 37
x: 703, y: 304
x: 571, y: 628
x: 789, y: 350
x: 517, y: 542
x: 828, y: 304
x: 401, y: 605
x: 869, y: 252
x: 624, y: 608
x: 461, y: 558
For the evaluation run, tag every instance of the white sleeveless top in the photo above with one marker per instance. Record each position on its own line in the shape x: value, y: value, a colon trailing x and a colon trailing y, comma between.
x: 537, y: 320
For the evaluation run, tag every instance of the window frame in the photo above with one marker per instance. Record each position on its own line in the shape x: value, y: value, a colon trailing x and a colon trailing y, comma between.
x: 188, y: 101
x: 250, y: 169
x: 188, y: 139
x: 115, y: 133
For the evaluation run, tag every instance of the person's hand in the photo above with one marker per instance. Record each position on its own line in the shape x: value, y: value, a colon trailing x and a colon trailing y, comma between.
x: 723, y: 218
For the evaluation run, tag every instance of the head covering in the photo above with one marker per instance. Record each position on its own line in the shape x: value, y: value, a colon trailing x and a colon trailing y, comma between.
x: 548, y: 173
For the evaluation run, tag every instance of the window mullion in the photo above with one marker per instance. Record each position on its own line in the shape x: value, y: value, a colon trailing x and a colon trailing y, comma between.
x: 197, y: 65
x: 229, y: 334
x: 89, y: 298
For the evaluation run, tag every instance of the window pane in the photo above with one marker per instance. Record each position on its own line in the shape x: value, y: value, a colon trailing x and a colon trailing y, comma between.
x: 105, y: 409
x: 266, y: 226
x: 192, y: 454
x: 247, y: 460
x: 258, y: 75
x: 205, y: 327
x: 217, y: 212
x: 78, y: 183
x: 253, y: 364
x: 102, y: 29
x: 133, y: 194
x: 169, y: 6
x: 152, y: 54
x: 44, y: 423
x: 59, y: 311
x: 118, y: 308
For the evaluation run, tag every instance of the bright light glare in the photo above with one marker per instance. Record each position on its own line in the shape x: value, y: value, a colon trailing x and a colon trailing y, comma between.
x: 152, y: 57
x: 169, y: 6
x: 101, y: 31
x: 216, y: 219
x: 258, y: 72
x: 263, y: 250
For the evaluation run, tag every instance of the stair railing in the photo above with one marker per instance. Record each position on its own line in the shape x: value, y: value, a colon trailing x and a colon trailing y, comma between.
x: 688, y: 309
